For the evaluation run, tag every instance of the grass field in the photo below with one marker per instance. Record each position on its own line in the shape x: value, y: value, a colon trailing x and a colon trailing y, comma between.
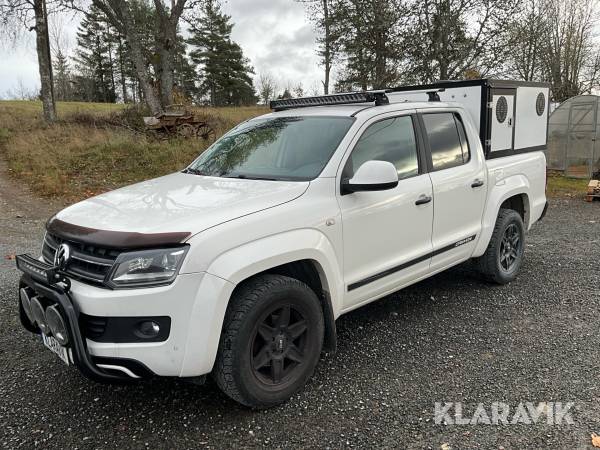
x: 76, y: 158
x: 560, y: 186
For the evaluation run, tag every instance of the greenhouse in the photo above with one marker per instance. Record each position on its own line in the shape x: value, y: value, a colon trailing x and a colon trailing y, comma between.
x: 572, y: 134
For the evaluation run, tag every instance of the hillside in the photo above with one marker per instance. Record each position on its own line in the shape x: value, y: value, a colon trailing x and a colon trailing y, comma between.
x: 95, y: 147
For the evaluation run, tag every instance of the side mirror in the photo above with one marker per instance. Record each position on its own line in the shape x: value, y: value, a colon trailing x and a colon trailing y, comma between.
x: 372, y: 176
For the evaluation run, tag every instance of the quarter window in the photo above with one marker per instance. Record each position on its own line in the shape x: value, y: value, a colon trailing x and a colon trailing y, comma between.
x: 392, y: 140
x: 447, y: 140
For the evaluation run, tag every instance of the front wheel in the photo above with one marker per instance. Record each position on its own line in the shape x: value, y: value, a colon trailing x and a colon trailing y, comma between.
x: 271, y: 341
x: 504, y: 256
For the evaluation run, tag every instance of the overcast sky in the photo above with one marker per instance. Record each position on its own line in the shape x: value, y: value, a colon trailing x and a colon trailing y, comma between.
x: 274, y: 34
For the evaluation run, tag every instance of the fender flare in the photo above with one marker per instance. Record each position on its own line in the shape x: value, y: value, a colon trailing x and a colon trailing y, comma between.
x: 241, y: 263
x: 508, y: 187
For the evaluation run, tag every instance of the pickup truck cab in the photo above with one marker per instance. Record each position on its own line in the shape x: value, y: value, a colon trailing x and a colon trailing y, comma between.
x: 239, y: 265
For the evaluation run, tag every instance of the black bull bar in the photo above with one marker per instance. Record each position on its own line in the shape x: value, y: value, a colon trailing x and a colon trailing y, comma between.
x: 49, y: 282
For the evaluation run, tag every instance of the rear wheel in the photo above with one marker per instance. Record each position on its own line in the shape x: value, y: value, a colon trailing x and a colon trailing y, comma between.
x: 271, y: 341
x: 504, y: 256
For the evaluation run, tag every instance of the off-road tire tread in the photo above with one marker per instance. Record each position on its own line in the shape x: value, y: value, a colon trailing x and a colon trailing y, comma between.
x: 486, y: 264
x: 242, y: 302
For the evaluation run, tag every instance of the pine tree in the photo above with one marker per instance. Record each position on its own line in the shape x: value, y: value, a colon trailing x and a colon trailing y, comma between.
x: 93, y: 59
x: 371, y: 43
x: 225, y: 71
x: 285, y: 95
x: 62, y: 77
x: 184, y: 73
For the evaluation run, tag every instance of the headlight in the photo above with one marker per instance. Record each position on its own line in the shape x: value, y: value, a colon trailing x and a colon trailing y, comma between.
x: 147, y: 267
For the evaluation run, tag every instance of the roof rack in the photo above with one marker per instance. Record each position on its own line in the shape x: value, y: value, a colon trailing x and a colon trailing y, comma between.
x: 432, y: 94
x: 378, y: 97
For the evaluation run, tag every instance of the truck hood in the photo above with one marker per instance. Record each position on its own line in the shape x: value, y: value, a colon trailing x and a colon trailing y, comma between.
x: 179, y: 203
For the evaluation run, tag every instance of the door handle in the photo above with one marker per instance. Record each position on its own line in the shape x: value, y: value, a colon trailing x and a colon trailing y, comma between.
x: 477, y: 183
x: 423, y: 199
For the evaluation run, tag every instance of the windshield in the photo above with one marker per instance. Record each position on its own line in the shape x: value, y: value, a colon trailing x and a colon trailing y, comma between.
x: 281, y: 148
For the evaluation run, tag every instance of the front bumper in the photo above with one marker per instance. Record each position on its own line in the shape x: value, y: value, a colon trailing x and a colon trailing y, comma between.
x: 195, y: 304
x: 79, y: 351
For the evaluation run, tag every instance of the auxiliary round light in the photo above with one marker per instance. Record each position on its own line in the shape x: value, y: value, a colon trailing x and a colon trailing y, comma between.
x: 26, y: 304
x: 148, y: 329
x: 57, y: 325
x: 40, y: 316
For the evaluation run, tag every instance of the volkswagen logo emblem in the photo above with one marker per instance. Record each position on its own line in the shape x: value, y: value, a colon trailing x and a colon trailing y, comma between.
x: 62, y: 256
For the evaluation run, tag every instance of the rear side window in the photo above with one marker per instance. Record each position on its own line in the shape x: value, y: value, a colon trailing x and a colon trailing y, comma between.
x: 392, y: 140
x: 447, y: 140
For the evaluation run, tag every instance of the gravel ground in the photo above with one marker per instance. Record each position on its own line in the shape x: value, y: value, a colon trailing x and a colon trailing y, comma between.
x: 449, y: 339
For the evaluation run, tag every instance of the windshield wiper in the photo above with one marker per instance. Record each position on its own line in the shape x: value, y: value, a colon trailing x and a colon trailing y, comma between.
x: 193, y: 171
x: 249, y: 177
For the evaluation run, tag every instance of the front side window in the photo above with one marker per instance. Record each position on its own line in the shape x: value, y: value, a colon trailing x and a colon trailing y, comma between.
x: 447, y: 140
x: 392, y: 140
x: 279, y: 148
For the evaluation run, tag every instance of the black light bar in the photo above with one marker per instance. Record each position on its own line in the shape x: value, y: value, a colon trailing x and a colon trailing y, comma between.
x: 378, y: 97
x: 33, y: 267
x: 41, y: 271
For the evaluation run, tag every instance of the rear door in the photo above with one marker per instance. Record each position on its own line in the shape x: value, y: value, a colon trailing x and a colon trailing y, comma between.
x: 502, y: 120
x: 458, y: 174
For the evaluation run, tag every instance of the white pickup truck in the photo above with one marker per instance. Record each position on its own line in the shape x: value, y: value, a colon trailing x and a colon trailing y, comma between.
x: 239, y: 265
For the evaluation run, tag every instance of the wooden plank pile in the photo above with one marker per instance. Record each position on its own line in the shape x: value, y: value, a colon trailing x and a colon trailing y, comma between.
x: 593, y: 190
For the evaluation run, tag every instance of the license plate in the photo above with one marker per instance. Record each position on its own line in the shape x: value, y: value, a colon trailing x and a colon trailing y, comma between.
x: 56, y: 348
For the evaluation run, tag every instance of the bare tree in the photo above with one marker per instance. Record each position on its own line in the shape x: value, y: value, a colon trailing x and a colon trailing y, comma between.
x: 528, y: 34
x: 314, y: 89
x: 266, y: 87
x: 450, y: 37
x: 320, y: 13
x: 59, y: 41
x: 32, y: 14
x: 21, y: 92
x: 59, y: 46
x: 571, y: 55
x: 555, y: 41
x: 120, y: 14
x: 298, y: 90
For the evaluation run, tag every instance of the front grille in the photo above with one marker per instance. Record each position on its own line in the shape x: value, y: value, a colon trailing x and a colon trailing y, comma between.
x: 88, y: 263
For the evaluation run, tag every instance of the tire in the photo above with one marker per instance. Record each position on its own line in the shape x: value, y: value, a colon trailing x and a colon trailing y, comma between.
x: 495, y: 266
x: 271, y: 341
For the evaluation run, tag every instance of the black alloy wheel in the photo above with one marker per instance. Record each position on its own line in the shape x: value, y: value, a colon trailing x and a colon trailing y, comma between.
x: 510, y: 247
x: 279, y: 344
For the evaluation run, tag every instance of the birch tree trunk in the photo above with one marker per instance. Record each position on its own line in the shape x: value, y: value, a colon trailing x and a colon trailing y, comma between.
x: 42, y: 40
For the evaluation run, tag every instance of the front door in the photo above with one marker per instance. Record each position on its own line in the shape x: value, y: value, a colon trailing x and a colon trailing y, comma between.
x: 387, y: 234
